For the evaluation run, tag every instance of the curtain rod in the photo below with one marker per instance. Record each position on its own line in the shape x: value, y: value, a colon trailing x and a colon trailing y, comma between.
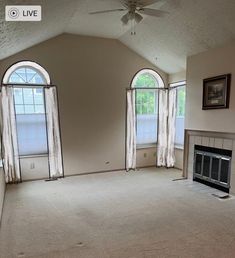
x: 178, y: 83
x: 145, y: 88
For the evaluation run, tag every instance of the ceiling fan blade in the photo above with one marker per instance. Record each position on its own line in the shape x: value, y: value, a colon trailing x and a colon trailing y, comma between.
x: 138, y: 3
x: 109, y: 11
x: 125, y: 18
x: 143, y: 3
x: 138, y: 18
x: 152, y: 12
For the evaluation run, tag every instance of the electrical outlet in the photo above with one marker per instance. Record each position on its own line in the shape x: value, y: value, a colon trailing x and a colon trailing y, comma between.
x: 145, y: 154
x: 32, y: 165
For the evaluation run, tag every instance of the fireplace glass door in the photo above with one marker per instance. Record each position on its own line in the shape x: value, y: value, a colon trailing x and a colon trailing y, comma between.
x: 212, y: 167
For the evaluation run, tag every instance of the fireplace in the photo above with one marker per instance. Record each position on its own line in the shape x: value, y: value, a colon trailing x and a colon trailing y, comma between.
x: 212, y: 166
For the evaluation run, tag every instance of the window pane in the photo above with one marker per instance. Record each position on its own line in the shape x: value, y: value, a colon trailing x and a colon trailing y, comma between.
x: 28, y: 96
x: 29, y: 109
x: 18, y: 96
x: 38, y: 96
x: 181, y: 101
x: 146, y: 102
x: 30, y: 74
x: 22, y: 74
x: 26, y: 75
x: 179, y: 137
x: 146, y: 80
x: 180, y: 114
x: 146, y: 116
x: 147, y: 129
x: 31, y: 132
x: 19, y: 109
x: 37, y: 79
x: 16, y: 78
x: 39, y: 109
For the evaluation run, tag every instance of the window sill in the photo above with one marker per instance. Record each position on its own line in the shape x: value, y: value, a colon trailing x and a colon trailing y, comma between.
x: 146, y: 146
x: 33, y: 156
x: 179, y: 147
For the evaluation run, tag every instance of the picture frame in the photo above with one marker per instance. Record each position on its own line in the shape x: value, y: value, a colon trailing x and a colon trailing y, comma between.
x: 216, y: 92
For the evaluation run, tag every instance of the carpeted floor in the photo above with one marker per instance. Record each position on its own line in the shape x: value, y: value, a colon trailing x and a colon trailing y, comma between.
x: 142, y: 214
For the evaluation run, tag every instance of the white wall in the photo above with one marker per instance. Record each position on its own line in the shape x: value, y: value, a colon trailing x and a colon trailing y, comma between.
x: 214, y: 62
x: 2, y: 191
x: 92, y: 75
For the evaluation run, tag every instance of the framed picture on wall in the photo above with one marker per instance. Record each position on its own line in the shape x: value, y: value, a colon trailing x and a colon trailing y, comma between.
x: 216, y: 92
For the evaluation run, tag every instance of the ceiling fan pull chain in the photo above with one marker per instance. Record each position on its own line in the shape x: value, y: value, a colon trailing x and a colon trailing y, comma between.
x: 133, y: 32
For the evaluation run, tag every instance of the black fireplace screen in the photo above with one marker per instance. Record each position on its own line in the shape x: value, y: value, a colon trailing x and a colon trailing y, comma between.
x: 212, y: 165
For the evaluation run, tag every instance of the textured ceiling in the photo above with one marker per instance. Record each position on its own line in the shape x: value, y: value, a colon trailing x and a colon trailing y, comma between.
x: 192, y: 26
x: 16, y: 36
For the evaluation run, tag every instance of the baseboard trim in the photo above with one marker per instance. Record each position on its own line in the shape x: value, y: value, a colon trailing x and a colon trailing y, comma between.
x: 95, y: 172
x: 90, y: 173
x: 151, y: 166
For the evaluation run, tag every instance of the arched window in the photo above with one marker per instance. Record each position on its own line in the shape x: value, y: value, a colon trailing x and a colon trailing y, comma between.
x: 28, y: 80
x: 147, y: 78
x: 26, y: 72
x: 146, y: 82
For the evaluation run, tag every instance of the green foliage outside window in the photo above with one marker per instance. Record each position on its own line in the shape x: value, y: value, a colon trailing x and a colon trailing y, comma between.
x: 146, y: 99
x: 146, y: 80
x: 181, y: 102
x: 145, y: 102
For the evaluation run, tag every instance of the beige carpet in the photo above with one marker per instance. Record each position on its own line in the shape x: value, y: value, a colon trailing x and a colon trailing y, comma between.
x: 141, y: 214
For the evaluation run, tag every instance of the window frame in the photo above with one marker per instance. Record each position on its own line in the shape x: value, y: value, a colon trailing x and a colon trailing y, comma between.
x: 30, y: 85
x: 161, y: 84
x: 26, y: 64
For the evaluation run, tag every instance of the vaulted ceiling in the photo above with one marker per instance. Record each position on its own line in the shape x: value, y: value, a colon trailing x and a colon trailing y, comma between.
x: 190, y: 27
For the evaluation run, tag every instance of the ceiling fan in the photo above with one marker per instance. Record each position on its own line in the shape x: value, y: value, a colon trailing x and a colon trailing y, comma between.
x: 134, y: 9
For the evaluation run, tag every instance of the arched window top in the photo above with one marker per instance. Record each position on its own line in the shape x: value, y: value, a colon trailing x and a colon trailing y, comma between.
x: 26, y: 72
x: 147, y: 78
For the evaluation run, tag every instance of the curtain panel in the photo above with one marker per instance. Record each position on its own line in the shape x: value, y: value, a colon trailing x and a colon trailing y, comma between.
x: 130, y: 131
x: 162, y: 129
x: 11, y: 163
x: 53, y: 131
x: 172, y: 105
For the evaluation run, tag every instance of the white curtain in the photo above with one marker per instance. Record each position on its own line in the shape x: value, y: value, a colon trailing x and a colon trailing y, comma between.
x: 9, y: 137
x: 162, y: 129
x: 53, y: 130
x: 171, y: 127
x: 131, y: 131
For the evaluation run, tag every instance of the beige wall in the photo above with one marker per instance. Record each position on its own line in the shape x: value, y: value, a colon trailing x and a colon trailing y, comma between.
x: 34, y: 168
x: 208, y: 64
x: 92, y: 75
x: 177, y: 77
x: 2, y: 191
x: 146, y: 157
x: 179, y: 158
